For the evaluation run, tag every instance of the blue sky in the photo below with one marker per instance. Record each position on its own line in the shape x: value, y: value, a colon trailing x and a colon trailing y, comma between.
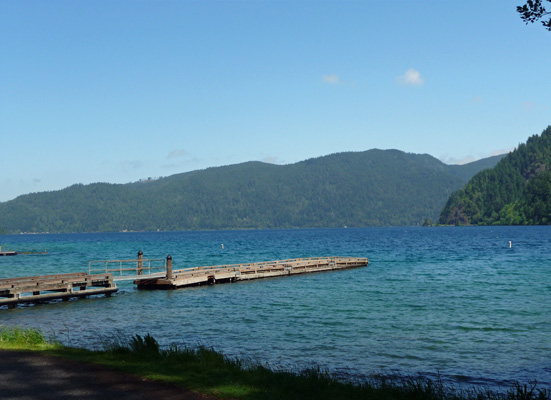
x: 117, y: 91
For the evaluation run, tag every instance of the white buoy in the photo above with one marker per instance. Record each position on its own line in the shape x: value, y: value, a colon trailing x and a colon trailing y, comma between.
x: 510, y: 244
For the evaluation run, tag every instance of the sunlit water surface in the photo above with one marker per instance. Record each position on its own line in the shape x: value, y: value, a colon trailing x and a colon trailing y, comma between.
x: 455, y: 302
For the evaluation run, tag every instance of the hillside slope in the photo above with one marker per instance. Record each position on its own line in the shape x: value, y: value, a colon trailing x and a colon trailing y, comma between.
x: 371, y: 188
x: 516, y: 191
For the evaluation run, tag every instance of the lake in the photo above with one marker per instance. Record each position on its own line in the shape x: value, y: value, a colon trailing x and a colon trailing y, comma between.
x: 456, y: 302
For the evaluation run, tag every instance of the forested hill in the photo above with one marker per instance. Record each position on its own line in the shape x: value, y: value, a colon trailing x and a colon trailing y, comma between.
x: 517, y: 191
x: 371, y: 188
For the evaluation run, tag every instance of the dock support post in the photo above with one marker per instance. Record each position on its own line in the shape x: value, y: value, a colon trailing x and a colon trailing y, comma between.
x: 140, y: 262
x: 169, y: 267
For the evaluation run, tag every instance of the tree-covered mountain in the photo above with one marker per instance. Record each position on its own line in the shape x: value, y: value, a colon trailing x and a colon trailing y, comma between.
x: 371, y: 188
x: 516, y: 191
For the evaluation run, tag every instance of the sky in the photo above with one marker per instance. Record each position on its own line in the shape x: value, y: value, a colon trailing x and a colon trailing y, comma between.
x: 118, y: 91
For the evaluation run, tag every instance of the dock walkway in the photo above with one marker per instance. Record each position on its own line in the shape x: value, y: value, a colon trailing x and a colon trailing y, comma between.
x: 156, y: 274
x: 33, y: 289
x: 240, y: 272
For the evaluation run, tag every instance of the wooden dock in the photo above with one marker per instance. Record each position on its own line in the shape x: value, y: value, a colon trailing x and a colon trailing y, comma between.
x: 7, y: 252
x: 156, y: 274
x: 241, y: 272
x: 34, y: 289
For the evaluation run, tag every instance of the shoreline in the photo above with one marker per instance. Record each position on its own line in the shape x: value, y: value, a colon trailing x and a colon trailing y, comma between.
x: 203, y: 373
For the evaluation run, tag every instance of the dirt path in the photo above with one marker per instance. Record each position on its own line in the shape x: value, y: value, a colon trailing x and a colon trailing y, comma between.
x: 30, y: 376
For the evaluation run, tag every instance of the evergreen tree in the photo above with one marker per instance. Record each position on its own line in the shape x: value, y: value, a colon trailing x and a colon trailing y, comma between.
x: 515, y: 192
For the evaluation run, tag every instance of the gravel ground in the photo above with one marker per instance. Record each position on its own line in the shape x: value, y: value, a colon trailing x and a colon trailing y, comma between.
x: 28, y: 375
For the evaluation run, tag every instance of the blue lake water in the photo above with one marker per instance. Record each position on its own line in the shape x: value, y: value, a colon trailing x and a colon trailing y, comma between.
x: 458, y: 302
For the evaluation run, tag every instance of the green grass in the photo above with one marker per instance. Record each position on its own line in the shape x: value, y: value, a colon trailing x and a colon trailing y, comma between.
x: 20, y: 338
x: 207, y: 371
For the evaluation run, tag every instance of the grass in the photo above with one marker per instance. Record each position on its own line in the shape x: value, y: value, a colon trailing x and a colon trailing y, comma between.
x: 207, y: 371
x: 23, y: 339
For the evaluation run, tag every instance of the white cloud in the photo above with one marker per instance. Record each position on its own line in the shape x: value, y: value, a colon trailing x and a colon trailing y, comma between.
x: 476, y: 99
x: 412, y: 77
x: 332, y: 79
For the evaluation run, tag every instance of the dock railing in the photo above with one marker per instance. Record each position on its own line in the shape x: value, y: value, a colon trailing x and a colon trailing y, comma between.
x: 34, y: 289
x: 290, y: 264
x: 129, y: 269
x: 238, y: 272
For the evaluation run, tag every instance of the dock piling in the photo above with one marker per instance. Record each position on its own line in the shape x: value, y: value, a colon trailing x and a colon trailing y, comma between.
x: 169, y: 267
x: 140, y: 262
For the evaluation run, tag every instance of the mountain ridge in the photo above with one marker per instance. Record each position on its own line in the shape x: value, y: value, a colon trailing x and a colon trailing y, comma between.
x: 370, y: 188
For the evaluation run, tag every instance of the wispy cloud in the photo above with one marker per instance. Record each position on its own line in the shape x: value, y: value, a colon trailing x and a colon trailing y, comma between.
x: 531, y: 106
x: 450, y: 160
x: 133, y: 164
x: 180, y: 158
x: 412, y: 77
x: 177, y: 153
x: 332, y: 79
x: 447, y: 159
x: 476, y: 99
x: 271, y: 160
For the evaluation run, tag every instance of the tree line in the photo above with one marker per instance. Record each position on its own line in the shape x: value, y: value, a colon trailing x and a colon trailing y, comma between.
x: 516, y: 192
x: 372, y: 188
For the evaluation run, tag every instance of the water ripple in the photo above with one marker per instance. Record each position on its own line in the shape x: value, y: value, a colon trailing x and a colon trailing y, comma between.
x: 450, y: 302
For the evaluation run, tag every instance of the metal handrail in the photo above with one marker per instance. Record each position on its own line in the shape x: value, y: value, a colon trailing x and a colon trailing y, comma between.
x: 293, y: 262
x: 145, y: 268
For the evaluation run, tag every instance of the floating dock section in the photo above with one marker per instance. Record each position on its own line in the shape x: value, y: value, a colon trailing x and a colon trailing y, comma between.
x: 155, y: 274
x: 34, y: 289
x: 7, y: 253
x: 242, y: 272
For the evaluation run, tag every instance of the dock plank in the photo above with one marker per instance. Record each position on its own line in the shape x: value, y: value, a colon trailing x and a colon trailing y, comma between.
x: 236, y: 272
